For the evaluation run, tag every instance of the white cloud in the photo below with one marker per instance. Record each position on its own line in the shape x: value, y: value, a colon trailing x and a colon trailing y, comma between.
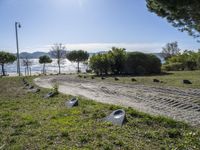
x: 95, y: 47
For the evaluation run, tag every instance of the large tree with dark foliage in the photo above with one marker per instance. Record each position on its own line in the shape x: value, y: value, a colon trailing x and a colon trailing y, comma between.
x: 6, y: 58
x: 138, y: 63
x: 182, y: 14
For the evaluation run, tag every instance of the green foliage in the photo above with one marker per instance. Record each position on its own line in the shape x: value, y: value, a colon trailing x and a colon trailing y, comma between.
x: 55, y: 88
x: 188, y: 60
x: 77, y: 56
x: 100, y: 63
x: 43, y: 60
x: 182, y: 14
x: 6, y: 58
x: 139, y: 63
x: 118, y: 61
x: 135, y: 63
x: 173, y: 66
x: 117, y: 57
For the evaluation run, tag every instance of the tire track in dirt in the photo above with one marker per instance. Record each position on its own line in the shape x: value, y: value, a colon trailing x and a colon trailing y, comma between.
x: 179, y: 104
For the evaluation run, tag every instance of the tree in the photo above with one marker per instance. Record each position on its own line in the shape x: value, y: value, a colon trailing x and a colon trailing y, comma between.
x: 182, y: 14
x: 117, y: 57
x: 6, y: 58
x: 77, y: 56
x: 58, y: 51
x: 139, y: 63
x: 27, y: 63
x: 171, y: 49
x: 188, y: 60
x: 43, y: 60
x: 100, y: 63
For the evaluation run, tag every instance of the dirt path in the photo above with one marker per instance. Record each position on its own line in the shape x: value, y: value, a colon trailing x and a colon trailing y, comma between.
x: 183, y: 105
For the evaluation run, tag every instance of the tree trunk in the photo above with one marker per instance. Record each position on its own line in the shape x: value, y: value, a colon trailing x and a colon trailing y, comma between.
x: 78, y: 67
x: 59, y: 67
x: 27, y: 70
x: 3, y: 71
x: 43, y: 68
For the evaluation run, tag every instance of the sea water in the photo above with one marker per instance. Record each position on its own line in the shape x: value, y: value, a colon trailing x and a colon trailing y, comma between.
x: 37, y: 68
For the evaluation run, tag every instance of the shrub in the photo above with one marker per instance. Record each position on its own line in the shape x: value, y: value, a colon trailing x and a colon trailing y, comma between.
x: 190, y: 65
x: 100, y: 64
x: 173, y: 67
x: 139, y: 63
x: 188, y: 60
x: 153, y: 64
x: 55, y: 88
x: 118, y: 61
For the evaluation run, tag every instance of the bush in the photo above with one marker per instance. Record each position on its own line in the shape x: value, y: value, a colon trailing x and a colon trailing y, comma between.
x: 119, y: 62
x: 190, y: 65
x: 100, y: 64
x: 153, y: 64
x: 140, y: 64
x: 188, y: 60
x: 173, y: 67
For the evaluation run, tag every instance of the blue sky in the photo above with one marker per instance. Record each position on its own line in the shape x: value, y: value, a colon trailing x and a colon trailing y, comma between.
x: 92, y: 25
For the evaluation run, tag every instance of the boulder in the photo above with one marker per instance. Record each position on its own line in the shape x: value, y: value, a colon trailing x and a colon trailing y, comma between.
x: 116, y: 79
x: 187, y: 82
x: 156, y: 80
x: 133, y: 80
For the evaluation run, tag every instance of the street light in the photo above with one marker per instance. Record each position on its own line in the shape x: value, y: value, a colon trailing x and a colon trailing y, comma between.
x: 17, y: 25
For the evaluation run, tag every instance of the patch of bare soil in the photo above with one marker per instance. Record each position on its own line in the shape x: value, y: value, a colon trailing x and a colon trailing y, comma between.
x: 179, y: 104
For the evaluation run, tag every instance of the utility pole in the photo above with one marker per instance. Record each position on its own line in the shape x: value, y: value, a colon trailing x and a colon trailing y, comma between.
x: 17, y: 25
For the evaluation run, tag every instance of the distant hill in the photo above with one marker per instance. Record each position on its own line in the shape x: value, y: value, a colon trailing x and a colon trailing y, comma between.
x: 32, y: 55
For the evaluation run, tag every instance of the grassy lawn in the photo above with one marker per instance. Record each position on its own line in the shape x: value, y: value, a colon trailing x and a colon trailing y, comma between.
x: 27, y: 121
x: 173, y: 78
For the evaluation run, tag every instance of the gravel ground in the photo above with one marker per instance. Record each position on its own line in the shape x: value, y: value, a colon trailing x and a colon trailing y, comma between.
x: 179, y: 104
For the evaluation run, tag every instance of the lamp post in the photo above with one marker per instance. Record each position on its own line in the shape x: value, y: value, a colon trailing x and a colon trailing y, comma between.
x: 17, y: 25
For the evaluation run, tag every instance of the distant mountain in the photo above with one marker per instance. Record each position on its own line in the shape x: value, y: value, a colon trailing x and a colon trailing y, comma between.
x: 32, y: 55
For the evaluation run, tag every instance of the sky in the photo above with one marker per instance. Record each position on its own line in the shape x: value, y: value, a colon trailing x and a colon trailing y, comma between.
x: 92, y: 25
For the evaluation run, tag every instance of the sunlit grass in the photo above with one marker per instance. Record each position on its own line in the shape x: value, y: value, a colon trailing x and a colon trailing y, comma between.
x: 27, y: 121
x: 173, y: 78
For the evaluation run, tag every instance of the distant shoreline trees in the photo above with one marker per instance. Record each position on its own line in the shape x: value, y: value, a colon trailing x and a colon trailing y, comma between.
x: 6, y: 58
x: 77, y: 56
x: 27, y: 63
x: 44, y: 60
x: 58, y: 51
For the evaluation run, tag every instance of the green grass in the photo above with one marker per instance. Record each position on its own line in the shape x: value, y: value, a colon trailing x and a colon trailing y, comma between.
x: 27, y: 121
x: 173, y: 78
